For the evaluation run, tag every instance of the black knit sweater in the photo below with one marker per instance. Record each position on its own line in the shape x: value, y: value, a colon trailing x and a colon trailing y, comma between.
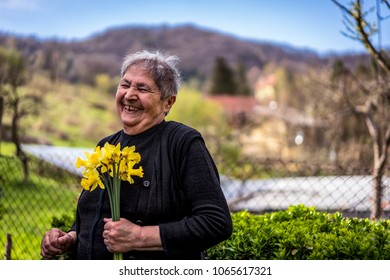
x: 180, y: 192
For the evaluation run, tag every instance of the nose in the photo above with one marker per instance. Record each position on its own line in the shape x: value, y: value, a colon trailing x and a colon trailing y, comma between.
x: 131, y: 93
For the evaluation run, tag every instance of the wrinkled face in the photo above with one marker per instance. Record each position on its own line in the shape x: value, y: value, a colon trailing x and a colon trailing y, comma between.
x: 139, y: 103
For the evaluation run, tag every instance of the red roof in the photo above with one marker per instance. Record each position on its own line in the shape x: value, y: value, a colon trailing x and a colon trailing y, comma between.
x: 235, y: 104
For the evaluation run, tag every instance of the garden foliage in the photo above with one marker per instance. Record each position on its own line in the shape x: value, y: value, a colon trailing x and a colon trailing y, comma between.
x: 302, y: 233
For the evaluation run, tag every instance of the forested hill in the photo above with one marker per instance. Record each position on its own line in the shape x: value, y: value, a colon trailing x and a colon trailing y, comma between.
x: 197, y: 48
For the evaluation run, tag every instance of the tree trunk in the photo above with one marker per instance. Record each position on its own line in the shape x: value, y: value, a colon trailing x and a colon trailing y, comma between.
x: 377, y: 190
x: 381, y: 142
x: 15, y: 138
x: 381, y: 146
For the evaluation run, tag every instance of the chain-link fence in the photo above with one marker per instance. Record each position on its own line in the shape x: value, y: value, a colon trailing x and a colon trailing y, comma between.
x: 28, y: 205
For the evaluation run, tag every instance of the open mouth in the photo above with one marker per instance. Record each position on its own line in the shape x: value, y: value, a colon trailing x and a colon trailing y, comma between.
x: 130, y: 108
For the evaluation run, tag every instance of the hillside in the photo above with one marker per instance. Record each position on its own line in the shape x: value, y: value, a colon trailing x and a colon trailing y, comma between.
x: 197, y: 47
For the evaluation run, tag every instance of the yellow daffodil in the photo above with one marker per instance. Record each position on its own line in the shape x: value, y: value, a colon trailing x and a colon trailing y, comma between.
x: 92, y: 181
x: 134, y: 172
x: 95, y: 158
x: 130, y: 154
x: 111, y: 153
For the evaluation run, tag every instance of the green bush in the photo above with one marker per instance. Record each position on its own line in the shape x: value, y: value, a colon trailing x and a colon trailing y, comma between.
x: 64, y: 222
x: 302, y: 233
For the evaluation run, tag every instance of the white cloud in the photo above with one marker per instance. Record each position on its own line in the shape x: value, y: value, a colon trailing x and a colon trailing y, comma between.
x: 19, y: 4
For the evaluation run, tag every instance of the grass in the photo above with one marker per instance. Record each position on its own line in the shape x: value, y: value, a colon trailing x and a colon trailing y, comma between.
x: 74, y: 115
x: 7, y: 148
x: 28, y: 206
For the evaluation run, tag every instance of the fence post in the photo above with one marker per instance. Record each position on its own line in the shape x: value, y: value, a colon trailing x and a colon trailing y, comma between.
x: 8, y: 247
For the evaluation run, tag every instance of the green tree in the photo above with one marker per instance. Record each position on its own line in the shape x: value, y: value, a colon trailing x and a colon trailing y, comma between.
x: 17, y: 100
x: 222, y: 78
x: 242, y: 86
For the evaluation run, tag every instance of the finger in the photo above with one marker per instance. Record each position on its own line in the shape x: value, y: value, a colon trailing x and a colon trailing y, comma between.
x: 107, y: 224
x: 108, y: 244
x: 46, y: 254
x: 51, y: 252
x: 48, y: 251
x: 53, y: 236
x: 65, y: 241
x: 49, y: 245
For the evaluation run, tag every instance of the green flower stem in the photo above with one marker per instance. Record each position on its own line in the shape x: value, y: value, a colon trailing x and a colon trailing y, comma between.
x: 113, y: 185
x: 115, y: 206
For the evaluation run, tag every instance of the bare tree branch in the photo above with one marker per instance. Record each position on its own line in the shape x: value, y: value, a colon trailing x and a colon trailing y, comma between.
x: 363, y: 32
x: 387, y: 3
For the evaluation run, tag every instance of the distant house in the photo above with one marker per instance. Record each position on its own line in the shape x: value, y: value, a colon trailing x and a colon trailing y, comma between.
x: 265, y: 89
x: 268, y: 129
x: 237, y: 108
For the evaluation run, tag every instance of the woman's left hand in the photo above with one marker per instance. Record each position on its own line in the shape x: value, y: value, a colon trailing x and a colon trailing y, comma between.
x: 121, y: 236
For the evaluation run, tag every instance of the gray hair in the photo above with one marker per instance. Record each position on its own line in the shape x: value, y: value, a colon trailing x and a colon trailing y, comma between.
x: 163, y: 70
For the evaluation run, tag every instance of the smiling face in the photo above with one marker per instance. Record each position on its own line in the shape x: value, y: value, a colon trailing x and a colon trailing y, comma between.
x: 138, y: 101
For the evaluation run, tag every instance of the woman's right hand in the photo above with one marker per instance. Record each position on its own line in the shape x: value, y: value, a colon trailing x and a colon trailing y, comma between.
x: 56, y: 242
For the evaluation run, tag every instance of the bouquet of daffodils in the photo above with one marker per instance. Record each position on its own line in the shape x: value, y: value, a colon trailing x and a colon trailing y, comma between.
x: 106, y: 167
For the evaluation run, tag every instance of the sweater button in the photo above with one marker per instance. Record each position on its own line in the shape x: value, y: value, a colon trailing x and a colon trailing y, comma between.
x: 146, y: 183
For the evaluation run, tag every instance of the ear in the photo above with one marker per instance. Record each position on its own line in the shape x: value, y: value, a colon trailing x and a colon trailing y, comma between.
x: 168, y: 103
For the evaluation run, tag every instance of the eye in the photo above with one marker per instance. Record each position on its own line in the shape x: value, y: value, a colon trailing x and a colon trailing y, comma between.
x: 125, y: 85
x: 143, y: 89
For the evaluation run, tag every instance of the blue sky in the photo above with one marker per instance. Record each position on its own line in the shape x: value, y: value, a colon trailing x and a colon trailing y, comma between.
x: 314, y: 24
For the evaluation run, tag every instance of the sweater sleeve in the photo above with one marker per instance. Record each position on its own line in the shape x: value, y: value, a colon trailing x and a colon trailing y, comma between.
x: 209, y: 220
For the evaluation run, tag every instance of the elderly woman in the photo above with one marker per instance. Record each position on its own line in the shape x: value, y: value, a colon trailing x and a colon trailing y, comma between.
x: 177, y: 210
